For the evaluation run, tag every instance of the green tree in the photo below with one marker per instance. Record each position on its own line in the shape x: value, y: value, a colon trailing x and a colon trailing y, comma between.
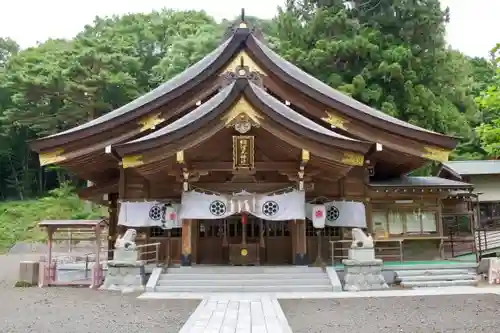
x: 391, y: 55
x: 489, y: 102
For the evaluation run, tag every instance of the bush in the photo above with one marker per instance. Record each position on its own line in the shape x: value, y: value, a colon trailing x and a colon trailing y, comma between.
x: 19, y: 219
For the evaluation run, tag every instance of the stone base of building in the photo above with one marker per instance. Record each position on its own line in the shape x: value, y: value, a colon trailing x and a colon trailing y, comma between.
x: 363, y: 275
x: 125, y: 277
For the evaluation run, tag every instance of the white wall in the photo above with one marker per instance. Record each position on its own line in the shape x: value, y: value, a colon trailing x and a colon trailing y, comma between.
x: 489, y: 185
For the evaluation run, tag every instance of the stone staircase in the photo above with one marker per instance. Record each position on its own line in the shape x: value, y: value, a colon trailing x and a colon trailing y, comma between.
x: 241, y: 279
x: 437, y: 277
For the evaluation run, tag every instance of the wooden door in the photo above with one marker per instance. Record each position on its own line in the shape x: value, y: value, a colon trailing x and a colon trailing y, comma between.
x: 278, y: 242
x: 170, y: 244
x: 210, y: 239
x: 274, y: 239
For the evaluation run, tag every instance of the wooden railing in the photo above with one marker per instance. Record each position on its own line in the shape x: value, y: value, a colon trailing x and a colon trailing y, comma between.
x: 487, y: 240
x: 145, y: 252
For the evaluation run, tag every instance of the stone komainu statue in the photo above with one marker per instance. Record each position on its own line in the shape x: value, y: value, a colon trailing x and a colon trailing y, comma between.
x: 127, y: 241
x: 360, y: 239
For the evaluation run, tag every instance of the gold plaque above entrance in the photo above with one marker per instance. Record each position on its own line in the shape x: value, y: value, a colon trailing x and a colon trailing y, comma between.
x: 243, y: 152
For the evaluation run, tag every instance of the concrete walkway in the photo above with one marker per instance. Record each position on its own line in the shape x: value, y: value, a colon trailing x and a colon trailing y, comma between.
x: 252, y: 315
x: 466, y: 290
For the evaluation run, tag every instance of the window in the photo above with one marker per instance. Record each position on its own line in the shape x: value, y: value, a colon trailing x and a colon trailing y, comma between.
x: 380, y: 220
x: 399, y: 222
x: 327, y: 231
x: 458, y: 225
x: 395, y: 223
x: 159, y: 232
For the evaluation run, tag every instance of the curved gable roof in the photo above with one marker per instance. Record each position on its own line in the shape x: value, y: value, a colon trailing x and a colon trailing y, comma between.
x: 220, y: 103
x: 334, y: 98
x: 173, y: 88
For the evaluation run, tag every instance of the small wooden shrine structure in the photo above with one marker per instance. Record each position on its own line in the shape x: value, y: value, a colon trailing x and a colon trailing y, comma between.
x: 244, y: 121
x: 73, y: 230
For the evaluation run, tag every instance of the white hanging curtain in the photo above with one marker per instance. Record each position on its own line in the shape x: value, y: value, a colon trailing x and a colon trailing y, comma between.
x: 279, y: 207
x: 149, y: 214
x: 342, y: 214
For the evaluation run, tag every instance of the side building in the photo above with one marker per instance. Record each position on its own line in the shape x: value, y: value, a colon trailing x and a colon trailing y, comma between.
x: 223, y: 163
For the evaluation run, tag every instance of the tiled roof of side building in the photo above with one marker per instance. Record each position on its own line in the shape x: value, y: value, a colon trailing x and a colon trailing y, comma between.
x: 478, y: 167
x: 421, y: 181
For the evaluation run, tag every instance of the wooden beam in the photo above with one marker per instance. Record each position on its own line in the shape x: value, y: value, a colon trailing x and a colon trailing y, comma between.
x: 99, y: 189
x: 259, y: 166
x: 251, y: 187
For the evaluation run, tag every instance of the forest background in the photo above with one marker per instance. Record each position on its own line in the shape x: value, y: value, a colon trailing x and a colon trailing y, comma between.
x: 392, y: 56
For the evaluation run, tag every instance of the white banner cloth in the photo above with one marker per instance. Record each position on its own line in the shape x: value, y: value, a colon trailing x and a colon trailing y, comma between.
x: 341, y: 214
x: 279, y: 207
x: 149, y: 214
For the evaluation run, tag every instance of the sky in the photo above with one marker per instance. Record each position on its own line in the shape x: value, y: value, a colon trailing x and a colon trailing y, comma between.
x: 473, y: 28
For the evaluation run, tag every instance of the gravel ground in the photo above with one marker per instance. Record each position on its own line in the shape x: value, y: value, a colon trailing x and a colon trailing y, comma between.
x: 430, y: 314
x: 80, y: 310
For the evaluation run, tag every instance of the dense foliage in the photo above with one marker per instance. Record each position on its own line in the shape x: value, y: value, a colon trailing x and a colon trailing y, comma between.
x: 391, y: 55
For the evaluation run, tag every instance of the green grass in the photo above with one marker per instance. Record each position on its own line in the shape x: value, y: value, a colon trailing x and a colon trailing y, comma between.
x: 19, y: 219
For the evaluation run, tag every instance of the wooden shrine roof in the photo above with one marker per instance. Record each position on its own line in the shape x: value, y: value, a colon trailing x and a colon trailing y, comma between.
x: 193, y: 99
x: 334, y: 98
x: 71, y: 223
x: 215, y: 108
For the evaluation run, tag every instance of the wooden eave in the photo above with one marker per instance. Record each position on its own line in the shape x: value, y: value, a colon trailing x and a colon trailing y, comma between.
x: 184, y: 84
x: 317, y: 90
x: 205, y: 121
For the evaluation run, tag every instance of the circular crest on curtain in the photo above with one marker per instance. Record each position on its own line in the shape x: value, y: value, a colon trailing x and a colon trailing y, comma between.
x: 270, y: 208
x: 332, y: 213
x: 155, y: 213
x: 217, y: 208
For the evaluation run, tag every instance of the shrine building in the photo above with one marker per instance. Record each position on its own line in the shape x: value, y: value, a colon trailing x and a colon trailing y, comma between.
x: 226, y: 162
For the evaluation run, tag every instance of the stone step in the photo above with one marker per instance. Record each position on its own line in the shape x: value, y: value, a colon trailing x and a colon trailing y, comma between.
x: 431, y: 272
x: 253, y: 282
x: 434, y: 266
x: 239, y: 276
x: 448, y: 277
x: 235, y: 289
x: 433, y: 284
x: 244, y: 270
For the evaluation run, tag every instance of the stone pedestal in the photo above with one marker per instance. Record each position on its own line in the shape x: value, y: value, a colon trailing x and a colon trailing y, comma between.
x: 361, y: 254
x: 125, y: 276
x: 125, y: 255
x: 362, y: 271
x: 28, y: 272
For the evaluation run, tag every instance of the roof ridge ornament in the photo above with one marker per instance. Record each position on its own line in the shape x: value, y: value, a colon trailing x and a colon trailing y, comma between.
x: 242, y: 71
x: 243, y: 23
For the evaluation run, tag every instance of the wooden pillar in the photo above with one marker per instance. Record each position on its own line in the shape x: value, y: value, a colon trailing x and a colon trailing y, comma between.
x: 113, y: 223
x: 369, y: 219
x: 195, y: 227
x: 292, y: 226
x: 186, y: 255
x: 301, y: 245
x: 440, y: 227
